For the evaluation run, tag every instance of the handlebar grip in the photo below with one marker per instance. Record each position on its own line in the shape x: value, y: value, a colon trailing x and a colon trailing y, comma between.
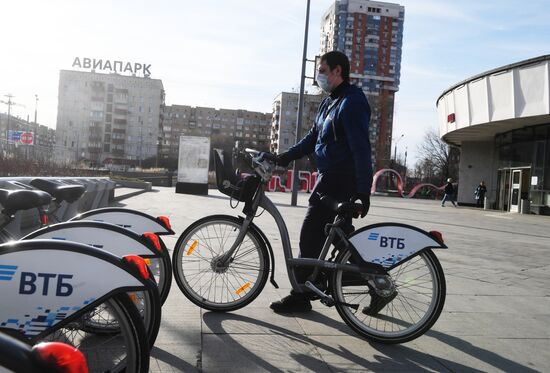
x: 270, y: 157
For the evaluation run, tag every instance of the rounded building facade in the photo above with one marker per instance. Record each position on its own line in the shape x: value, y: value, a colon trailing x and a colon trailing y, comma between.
x: 500, y: 120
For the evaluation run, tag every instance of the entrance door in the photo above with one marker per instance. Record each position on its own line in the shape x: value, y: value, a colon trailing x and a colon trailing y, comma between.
x: 515, y: 195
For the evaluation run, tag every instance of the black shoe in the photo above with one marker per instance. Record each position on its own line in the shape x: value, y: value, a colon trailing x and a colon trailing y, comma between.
x: 377, y: 303
x: 291, y: 303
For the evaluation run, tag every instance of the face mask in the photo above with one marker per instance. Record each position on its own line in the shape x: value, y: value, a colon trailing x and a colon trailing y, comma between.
x: 322, y: 80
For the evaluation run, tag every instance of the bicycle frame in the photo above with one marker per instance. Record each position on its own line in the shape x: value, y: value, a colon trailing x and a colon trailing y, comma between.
x: 374, y: 258
x: 261, y: 200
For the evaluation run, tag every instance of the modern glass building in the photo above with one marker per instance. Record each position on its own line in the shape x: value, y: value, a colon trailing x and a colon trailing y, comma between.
x: 500, y: 119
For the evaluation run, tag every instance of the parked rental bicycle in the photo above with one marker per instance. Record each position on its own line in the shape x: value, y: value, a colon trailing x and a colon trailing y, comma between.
x: 384, y: 279
x: 50, y: 290
x: 47, y: 357
x: 109, y: 237
x: 136, y: 221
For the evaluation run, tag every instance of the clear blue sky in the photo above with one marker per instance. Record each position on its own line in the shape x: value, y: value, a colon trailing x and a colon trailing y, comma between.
x: 242, y: 53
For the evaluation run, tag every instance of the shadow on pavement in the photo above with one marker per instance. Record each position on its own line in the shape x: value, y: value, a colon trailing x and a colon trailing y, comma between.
x: 399, y: 357
x: 171, y: 359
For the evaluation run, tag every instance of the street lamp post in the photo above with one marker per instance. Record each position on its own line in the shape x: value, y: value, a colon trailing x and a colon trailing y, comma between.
x: 35, y: 108
x: 295, y: 181
x: 395, y: 149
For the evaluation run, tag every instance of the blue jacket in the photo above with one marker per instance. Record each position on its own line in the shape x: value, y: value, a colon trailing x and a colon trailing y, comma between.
x: 340, y: 137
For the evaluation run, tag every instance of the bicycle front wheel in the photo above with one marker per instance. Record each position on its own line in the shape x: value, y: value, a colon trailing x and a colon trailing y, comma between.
x: 123, y: 350
x: 407, y: 314
x: 200, y: 276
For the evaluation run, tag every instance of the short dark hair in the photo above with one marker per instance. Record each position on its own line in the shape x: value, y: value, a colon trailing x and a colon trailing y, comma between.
x: 336, y: 58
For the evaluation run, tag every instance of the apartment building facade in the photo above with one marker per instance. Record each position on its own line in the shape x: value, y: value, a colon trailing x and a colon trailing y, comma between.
x: 370, y: 33
x: 285, y: 115
x: 223, y: 126
x: 107, y: 119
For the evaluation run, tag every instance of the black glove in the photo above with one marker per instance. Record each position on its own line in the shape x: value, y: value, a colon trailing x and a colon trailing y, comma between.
x: 284, y: 159
x: 365, y: 201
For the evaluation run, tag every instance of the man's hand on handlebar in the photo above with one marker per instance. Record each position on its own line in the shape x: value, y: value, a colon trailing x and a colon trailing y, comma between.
x: 283, y: 159
x: 365, y: 201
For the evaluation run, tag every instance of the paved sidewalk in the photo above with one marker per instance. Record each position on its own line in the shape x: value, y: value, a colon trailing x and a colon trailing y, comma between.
x: 496, y: 316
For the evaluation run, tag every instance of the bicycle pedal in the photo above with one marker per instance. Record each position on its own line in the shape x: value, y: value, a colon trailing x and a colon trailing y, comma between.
x: 325, y: 299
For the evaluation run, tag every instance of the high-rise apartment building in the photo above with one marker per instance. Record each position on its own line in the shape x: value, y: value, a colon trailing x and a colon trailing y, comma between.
x: 107, y: 118
x: 223, y: 126
x: 285, y: 113
x: 370, y: 33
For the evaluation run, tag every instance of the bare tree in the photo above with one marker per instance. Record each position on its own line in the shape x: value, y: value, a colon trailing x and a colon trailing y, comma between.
x: 438, y: 161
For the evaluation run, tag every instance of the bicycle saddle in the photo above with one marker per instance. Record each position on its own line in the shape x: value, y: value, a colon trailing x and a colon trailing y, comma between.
x: 60, y: 192
x: 342, y: 208
x: 22, y: 199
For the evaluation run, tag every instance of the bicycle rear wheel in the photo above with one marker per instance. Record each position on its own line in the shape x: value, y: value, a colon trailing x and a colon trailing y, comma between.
x: 220, y: 288
x: 125, y: 350
x: 419, y: 300
x: 148, y: 306
x: 162, y: 270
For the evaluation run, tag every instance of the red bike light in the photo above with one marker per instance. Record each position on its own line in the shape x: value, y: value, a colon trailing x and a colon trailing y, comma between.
x: 165, y: 222
x: 65, y: 358
x: 438, y: 236
x: 44, y: 219
x: 154, y: 239
x: 138, y: 263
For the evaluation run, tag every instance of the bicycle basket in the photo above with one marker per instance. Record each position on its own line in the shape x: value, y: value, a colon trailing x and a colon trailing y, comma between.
x: 227, y: 181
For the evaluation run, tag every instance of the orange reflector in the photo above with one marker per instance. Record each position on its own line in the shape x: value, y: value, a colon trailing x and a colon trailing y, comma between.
x: 242, y: 288
x: 192, y: 247
x: 154, y: 239
x: 438, y: 236
x: 65, y: 358
x: 133, y: 297
x: 165, y: 222
x: 138, y: 263
x: 147, y: 261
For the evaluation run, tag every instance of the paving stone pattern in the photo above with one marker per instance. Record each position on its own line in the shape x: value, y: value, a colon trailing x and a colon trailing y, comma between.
x: 496, y: 317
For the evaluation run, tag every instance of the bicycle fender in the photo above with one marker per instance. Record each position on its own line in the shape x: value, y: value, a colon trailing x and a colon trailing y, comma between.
x: 105, y: 236
x: 388, y: 244
x: 46, y: 283
x: 136, y: 221
x: 271, y: 255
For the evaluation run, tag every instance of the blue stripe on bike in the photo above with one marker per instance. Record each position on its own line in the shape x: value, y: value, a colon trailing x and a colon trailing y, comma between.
x: 7, y: 272
x: 6, y: 278
x: 2, y: 266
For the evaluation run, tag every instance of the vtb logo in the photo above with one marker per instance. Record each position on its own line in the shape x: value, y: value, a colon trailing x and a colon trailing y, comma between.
x: 51, y: 282
x: 387, y: 241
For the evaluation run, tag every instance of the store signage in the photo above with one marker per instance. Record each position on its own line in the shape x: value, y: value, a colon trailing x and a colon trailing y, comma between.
x: 114, y: 66
x: 21, y: 137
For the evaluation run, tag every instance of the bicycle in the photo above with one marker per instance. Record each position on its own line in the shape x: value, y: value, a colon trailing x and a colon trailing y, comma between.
x: 136, y: 221
x: 53, y: 285
x: 47, y: 357
x: 384, y: 279
x: 116, y: 240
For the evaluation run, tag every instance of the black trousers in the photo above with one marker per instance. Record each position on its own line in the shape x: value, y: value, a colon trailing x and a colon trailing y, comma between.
x: 312, y: 234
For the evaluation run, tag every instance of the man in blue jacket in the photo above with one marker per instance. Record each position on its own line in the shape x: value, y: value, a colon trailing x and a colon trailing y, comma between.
x: 339, y: 139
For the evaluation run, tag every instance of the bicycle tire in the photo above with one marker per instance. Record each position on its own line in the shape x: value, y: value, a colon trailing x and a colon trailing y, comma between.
x: 148, y: 305
x: 388, y: 324
x: 164, y: 273
x: 244, y: 286
x: 133, y: 353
